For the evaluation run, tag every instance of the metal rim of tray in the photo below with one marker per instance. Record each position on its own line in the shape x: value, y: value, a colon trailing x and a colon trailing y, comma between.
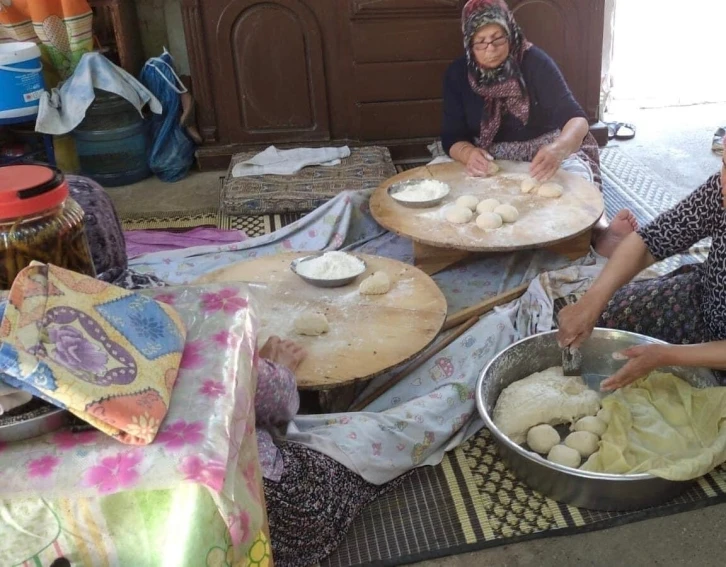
x: 505, y: 440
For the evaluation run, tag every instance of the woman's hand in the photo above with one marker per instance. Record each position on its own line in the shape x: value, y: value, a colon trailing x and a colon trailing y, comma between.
x: 478, y: 162
x: 642, y: 360
x: 576, y: 322
x: 548, y: 160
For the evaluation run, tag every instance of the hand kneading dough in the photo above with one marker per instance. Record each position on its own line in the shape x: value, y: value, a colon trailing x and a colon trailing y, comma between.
x: 376, y: 284
x: 487, y: 206
x: 529, y: 184
x: 507, y: 212
x: 468, y: 201
x: 311, y: 324
x: 551, y: 190
x: 563, y: 455
x: 494, y: 168
x: 592, y: 424
x: 488, y: 221
x: 583, y: 442
x: 458, y: 214
x: 541, y: 438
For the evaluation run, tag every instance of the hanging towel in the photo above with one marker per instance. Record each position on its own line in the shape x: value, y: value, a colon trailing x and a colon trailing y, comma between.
x: 288, y: 162
x: 65, y: 108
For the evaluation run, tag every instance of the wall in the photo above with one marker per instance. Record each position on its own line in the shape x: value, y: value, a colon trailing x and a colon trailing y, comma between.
x: 160, y: 23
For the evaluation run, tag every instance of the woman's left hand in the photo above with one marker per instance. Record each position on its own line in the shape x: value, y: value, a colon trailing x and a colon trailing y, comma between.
x: 548, y: 160
x: 642, y: 360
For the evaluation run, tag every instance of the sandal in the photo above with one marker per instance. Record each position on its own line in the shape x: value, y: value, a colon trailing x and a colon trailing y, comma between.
x: 624, y: 126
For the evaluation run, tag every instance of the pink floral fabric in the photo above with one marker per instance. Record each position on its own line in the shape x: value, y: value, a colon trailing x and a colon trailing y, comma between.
x: 207, y: 438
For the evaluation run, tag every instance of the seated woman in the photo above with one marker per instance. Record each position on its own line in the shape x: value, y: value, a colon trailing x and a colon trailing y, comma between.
x: 686, y: 308
x: 506, y: 99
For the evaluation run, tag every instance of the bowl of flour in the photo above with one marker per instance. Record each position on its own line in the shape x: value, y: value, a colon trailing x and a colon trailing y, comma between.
x: 329, y: 269
x: 419, y: 193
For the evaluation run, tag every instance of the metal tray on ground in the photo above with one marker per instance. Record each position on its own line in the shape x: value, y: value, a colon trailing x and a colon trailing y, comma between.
x: 31, y: 420
x: 579, y: 488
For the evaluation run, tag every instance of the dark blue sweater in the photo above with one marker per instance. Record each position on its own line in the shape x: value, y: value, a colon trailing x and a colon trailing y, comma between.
x: 551, y: 104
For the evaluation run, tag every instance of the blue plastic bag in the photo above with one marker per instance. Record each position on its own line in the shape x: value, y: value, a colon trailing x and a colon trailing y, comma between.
x: 172, y: 150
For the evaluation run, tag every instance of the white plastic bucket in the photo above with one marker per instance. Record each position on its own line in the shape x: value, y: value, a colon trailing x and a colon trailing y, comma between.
x: 21, y: 79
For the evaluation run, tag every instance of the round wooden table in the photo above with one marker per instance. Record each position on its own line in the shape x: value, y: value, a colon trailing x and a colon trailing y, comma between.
x: 368, y: 334
x: 542, y: 222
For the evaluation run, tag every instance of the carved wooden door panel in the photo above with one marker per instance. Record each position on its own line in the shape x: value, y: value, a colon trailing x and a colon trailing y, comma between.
x: 268, y: 74
x: 571, y: 32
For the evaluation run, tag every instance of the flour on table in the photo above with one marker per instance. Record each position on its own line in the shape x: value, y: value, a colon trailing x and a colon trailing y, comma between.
x: 425, y: 190
x: 331, y: 266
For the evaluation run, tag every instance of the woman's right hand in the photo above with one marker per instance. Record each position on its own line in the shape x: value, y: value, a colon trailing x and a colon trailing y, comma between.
x: 478, y: 162
x: 576, y: 322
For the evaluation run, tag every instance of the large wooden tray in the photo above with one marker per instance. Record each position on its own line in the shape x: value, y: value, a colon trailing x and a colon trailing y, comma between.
x: 368, y: 334
x: 542, y: 222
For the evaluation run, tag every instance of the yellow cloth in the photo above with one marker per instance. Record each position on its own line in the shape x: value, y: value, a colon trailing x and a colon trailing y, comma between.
x: 663, y: 426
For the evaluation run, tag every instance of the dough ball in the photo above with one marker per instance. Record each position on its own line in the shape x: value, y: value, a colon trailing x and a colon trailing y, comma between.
x: 488, y: 221
x: 564, y: 455
x: 592, y: 424
x: 458, y: 214
x: 584, y: 442
x: 605, y: 415
x: 551, y: 190
x: 468, y: 201
x: 494, y: 168
x: 528, y: 184
x: 507, y: 212
x: 487, y: 206
x: 311, y: 324
x: 375, y: 284
x: 541, y: 438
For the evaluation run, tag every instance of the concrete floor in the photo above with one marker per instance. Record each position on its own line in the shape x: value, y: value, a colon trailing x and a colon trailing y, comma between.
x: 676, y: 144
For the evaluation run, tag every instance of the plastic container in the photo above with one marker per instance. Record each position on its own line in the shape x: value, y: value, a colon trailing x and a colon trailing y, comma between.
x: 21, y: 80
x: 39, y: 221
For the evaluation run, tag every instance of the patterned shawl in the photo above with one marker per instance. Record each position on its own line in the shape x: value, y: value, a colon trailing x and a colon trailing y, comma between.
x: 503, y: 88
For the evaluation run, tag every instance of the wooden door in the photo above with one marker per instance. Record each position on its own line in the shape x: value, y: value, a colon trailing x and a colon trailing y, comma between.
x: 571, y: 32
x: 267, y: 71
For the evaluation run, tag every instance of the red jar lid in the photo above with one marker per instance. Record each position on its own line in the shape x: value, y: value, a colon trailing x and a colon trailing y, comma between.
x: 26, y: 190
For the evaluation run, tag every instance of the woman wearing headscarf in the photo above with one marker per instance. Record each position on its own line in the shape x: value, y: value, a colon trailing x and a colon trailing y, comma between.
x: 507, y: 99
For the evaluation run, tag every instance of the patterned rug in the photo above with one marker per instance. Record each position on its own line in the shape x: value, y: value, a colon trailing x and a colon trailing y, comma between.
x: 252, y: 225
x: 366, y: 168
x: 471, y: 501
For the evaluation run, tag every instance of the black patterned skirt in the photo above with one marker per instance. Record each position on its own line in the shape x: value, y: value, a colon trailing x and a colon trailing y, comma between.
x: 312, y: 506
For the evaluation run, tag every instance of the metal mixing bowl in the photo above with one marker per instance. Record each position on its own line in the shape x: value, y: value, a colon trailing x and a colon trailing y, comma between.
x: 340, y: 282
x: 402, y: 185
x: 572, y: 486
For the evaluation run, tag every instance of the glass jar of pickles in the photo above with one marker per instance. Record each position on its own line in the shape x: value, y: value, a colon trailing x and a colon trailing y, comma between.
x: 39, y: 221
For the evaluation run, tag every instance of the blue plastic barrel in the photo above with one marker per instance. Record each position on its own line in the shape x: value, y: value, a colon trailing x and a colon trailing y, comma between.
x: 21, y: 79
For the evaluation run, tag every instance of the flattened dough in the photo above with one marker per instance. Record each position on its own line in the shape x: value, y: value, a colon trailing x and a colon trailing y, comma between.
x: 375, y: 284
x: 311, y: 324
x: 458, y: 214
x: 550, y: 190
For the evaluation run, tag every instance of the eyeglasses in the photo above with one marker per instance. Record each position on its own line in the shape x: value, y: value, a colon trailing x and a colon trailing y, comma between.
x: 484, y: 45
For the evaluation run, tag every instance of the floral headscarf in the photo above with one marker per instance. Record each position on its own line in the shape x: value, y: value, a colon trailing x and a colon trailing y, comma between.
x: 503, y: 88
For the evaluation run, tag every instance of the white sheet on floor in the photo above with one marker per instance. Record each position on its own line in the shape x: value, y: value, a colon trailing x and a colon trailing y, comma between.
x: 288, y: 162
x: 64, y: 108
